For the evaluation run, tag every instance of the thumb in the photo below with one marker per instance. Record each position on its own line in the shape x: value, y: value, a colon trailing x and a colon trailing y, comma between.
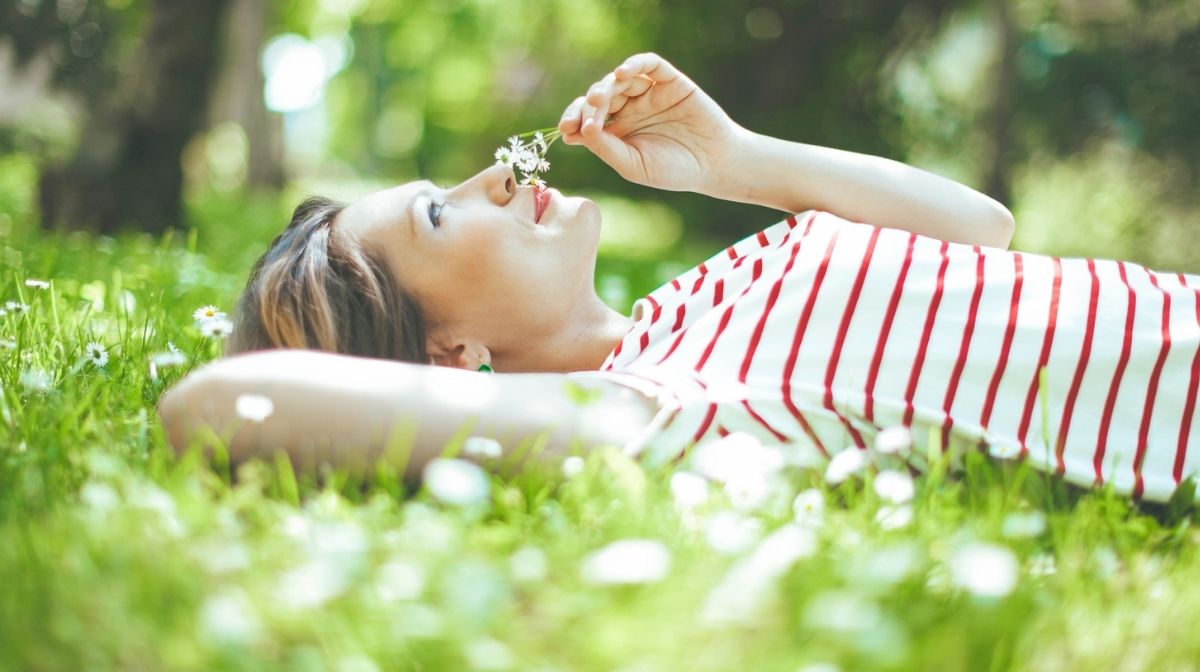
x: 610, y: 149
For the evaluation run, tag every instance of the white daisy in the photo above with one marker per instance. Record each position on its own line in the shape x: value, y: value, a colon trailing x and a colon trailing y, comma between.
x: 628, y: 561
x: 206, y: 313
x: 984, y: 570
x: 96, y: 354
x: 16, y: 307
x: 482, y: 446
x: 216, y: 328
x: 505, y: 157
x: 254, y: 407
x: 895, y: 440
x: 895, y: 487
x: 37, y: 284
x: 163, y: 360
x: 845, y: 464
x: 572, y: 466
x: 809, y: 507
x: 535, y: 181
x: 1004, y: 451
x: 514, y: 141
x: 539, y: 140
x: 543, y: 165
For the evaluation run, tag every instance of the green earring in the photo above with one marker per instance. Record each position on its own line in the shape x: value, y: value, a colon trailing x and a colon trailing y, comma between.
x: 484, y: 368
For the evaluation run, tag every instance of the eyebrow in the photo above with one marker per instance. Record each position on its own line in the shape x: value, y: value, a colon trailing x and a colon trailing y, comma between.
x: 412, y: 206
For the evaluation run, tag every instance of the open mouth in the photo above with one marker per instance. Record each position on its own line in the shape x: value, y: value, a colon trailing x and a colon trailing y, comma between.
x: 541, y: 201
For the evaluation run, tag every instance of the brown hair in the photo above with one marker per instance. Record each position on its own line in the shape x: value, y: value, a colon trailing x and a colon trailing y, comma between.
x: 313, y: 290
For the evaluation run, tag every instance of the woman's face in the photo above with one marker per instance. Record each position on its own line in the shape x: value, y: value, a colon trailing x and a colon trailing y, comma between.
x: 491, y: 264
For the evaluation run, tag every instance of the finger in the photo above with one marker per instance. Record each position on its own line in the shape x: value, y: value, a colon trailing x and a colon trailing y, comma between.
x: 601, y: 90
x: 650, y: 64
x: 571, y: 118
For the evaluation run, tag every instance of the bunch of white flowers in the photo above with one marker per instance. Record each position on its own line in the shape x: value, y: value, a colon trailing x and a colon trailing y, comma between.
x: 526, y: 152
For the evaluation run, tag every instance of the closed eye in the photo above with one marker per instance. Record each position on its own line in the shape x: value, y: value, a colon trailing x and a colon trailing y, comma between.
x: 435, y: 213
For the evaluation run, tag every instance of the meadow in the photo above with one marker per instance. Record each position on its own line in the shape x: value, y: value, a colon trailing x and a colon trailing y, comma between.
x: 116, y: 554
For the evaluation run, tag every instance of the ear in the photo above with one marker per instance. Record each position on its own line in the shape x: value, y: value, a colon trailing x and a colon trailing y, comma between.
x: 457, y: 354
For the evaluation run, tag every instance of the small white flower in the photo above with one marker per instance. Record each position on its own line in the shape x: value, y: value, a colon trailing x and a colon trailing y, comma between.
x: 572, y: 466
x: 528, y: 162
x: 216, y: 328
x: 528, y: 565
x: 457, y: 482
x: 254, y: 407
x: 894, y: 517
x: 984, y: 570
x: 164, y: 360
x: 1024, y: 525
x: 514, y: 141
x: 809, y: 507
x: 895, y: 440
x: 731, y: 533
x: 35, y: 380
x: 482, y: 447
x: 628, y: 561
x: 895, y: 487
x: 845, y: 464
x: 1004, y: 451
x: 505, y: 157
x: 539, y: 141
x: 534, y: 181
x: 542, y: 165
x: 16, y: 307
x: 96, y: 354
x: 206, y: 313
x: 688, y: 490
x: 37, y: 284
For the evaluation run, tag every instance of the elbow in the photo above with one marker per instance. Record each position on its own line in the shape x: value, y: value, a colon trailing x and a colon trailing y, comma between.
x: 1000, y: 224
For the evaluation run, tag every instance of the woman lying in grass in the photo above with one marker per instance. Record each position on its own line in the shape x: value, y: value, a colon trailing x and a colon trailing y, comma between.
x: 814, y: 333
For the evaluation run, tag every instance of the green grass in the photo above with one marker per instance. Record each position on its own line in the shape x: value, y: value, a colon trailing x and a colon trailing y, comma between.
x: 115, y: 554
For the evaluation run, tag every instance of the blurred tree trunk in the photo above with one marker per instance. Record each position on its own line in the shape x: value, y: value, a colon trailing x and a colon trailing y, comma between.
x: 999, y: 119
x: 238, y: 95
x: 126, y: 170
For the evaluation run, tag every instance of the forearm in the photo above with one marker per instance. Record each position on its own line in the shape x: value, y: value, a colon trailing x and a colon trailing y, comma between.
x: 794, y: 177
x: 350, y: 411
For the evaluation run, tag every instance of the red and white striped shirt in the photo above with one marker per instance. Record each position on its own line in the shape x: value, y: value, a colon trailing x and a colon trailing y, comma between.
x: 819, y: 332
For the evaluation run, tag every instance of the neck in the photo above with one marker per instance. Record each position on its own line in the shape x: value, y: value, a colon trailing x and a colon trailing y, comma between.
x: 590, y: 332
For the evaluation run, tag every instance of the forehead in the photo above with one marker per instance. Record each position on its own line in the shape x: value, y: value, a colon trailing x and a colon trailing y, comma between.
x: 389, y: 208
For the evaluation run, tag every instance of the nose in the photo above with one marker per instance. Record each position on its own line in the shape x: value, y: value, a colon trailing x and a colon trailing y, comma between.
x: 497, y: 182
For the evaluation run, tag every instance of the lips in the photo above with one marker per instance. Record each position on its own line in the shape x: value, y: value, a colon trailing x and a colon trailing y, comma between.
x: 541, y: 201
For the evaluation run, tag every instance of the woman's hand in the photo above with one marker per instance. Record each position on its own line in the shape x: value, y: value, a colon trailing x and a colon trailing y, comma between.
x: 662, y: 130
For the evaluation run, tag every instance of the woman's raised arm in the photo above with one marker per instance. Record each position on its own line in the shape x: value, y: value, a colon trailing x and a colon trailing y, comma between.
x: 654, y: 126
x: 345, y: 411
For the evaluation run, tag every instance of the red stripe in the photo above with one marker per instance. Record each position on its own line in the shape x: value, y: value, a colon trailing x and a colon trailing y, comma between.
x: 675, y: 284
x: 1152, y: 389
x: 1185, y: 426
x: 755, y: 274
x: 756, y: 338
x: 885, y: 330
x: 1006, y: 345
x: 616, y: 353
x: 791, y: 221
x: 718, y: 291
x: 702, y: 268
x: 679, y: 313
x: 1043, y: 356
x: 699, y: 283
x: 762, y: 238
x: 963, y: 348
x: 731, y: 252
x: 930, y: 316
x: 840, y: 341
x: 1106, y: 419
x: 1069, y: 407
x: 794, y: 353
x: 708, y: 418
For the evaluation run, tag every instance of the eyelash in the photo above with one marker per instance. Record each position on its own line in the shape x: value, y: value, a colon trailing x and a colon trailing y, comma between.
x: 436, y: 221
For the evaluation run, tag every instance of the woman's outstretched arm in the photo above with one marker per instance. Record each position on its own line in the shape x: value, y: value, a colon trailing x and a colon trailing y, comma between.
x: 654, y: 126
x: 345, y: 410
